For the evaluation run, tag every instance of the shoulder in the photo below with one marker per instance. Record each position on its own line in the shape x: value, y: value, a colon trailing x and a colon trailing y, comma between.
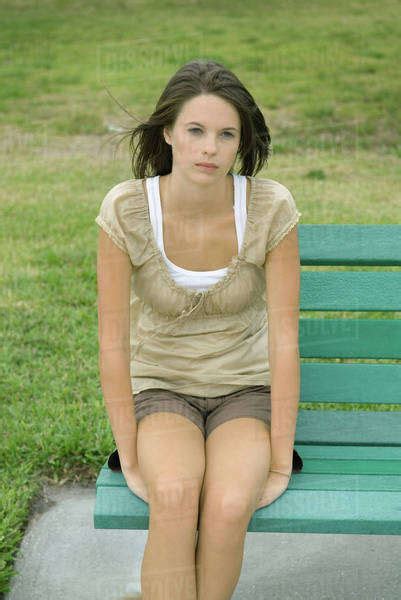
x: 273, y: 198
x: 123, y: 188
x: 270, y: 189
x: 121, y: 196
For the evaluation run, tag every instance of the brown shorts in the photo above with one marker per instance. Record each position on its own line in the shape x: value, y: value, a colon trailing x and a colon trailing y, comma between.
x: 206, y: 413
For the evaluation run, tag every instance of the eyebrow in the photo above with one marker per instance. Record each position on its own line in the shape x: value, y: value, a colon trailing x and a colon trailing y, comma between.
x: 200, y: 124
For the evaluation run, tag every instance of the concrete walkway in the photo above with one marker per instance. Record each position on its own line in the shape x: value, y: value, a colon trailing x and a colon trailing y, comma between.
x: 63, y: 557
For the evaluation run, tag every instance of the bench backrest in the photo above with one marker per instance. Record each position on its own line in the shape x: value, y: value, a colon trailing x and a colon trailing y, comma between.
x: 368, y: 279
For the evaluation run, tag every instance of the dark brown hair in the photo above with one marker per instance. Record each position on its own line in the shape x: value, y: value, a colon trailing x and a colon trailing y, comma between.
x: 151, y: 155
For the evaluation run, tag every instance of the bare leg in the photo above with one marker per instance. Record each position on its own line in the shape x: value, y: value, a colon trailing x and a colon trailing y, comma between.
x: 168, y: 565
x: 237, y: 465
x: 171, y: 459
x: 219, y: 558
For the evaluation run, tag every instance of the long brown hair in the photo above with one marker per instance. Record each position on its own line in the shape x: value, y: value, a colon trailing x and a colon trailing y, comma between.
x: 151, y: 155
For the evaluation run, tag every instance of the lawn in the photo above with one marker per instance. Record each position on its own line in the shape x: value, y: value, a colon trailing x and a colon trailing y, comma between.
x: 325, y: 74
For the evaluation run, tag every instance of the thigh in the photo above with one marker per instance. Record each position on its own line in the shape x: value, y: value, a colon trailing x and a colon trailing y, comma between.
x: 157, y: 400
x: 252, y: 401
x: 237, y: 456
x: 171, y: 457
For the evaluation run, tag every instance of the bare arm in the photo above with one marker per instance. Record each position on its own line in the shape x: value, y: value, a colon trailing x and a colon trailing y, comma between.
x: 282, y: 269
x: 114, y: 269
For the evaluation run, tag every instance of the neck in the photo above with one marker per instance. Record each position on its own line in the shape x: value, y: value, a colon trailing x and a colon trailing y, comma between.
x: 190, y: 200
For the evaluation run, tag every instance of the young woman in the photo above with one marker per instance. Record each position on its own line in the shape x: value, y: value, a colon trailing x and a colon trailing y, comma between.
x: 198, y: 304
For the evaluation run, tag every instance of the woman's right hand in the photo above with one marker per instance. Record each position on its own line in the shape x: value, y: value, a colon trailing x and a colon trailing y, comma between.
x: 135, y: 482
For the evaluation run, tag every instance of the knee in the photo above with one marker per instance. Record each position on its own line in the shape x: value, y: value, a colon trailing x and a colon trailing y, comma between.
x: 228, y: 506
x: 178, y: 497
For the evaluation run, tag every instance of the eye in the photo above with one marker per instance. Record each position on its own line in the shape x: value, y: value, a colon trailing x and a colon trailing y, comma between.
x: 197, y: 129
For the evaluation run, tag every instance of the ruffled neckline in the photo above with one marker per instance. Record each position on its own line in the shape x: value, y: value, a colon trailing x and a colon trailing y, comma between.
x: 232, y: 267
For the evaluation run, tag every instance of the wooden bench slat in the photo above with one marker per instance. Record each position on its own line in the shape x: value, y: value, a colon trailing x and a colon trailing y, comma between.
x: 392, y: 454
x: 307, y: 479
x: 350, y: 290
x: 350, y: 338
x: 325, y: 460
x: 364, y: 460
x: 355, y: 428
x: 347, y: 244
x: 320, y: 511
x: 347, y: 383
x: 119, y: 508
x: 306, y: 511
x: 355, y: 483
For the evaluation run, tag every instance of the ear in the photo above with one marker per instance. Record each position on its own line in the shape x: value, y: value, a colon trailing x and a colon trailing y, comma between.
x: 166, y: 135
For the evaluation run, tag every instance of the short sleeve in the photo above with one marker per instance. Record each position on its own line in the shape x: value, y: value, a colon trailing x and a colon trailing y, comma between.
x: 109, y: 217
x: 284, y: 217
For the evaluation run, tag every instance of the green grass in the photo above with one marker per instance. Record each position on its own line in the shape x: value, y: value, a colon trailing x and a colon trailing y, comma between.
x: 325, y: 76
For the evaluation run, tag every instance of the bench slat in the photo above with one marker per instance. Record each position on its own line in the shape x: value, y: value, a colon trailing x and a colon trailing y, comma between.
x: 357, y: 460
x: 319, y: 511
x: 350, y: 338
x: 348, y: 244
x: 355, y: 428
x: 350, y: 290
x: 350, y: 383
x: 355, y: 483
x: 307, y: 511
x: 306, y: 480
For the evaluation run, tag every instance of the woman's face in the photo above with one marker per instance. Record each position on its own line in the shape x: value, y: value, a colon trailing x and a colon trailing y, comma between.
x: 208, y: 129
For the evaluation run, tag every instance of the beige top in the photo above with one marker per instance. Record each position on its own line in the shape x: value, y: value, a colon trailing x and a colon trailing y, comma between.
x: 205, y: 343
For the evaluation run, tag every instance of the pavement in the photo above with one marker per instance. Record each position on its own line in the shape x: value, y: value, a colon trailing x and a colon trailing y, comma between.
x: 62, y: 557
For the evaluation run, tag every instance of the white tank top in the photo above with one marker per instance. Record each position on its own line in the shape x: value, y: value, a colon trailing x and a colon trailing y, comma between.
x: 200, y: 280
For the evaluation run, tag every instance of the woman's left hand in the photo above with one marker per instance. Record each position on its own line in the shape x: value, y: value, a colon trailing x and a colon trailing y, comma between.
x: 275, y: 486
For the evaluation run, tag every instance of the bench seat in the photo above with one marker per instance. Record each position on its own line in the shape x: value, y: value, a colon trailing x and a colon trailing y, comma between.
x: 350, y: 481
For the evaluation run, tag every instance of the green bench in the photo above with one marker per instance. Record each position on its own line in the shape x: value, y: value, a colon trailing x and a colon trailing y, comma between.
x: 351, y: 476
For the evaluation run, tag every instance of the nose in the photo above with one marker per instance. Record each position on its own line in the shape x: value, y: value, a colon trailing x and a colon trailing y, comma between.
x: 209, y: 146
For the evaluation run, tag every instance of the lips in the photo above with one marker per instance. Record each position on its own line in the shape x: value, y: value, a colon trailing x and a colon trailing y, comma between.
x: 209, y: 165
